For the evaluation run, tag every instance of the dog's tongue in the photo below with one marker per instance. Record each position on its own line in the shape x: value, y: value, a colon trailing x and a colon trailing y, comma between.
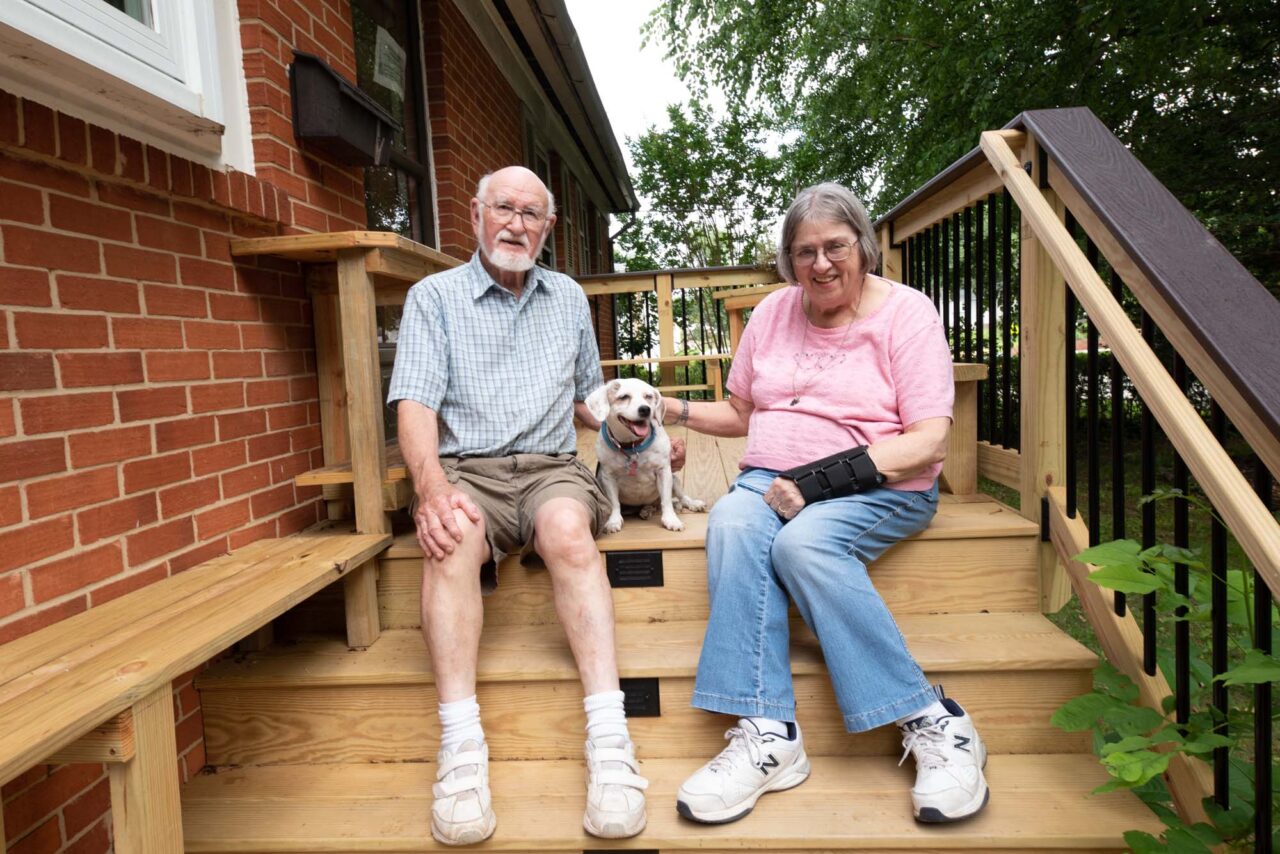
x: 639, y: 428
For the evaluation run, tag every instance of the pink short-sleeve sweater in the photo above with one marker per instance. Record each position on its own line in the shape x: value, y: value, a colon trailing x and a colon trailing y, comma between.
x: 856, y: 385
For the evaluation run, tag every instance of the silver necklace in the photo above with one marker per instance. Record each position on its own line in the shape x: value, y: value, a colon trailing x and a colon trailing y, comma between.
x: 821, y: 363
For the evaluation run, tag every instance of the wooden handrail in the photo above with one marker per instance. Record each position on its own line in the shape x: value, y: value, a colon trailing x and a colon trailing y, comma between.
x: 1242, y: 510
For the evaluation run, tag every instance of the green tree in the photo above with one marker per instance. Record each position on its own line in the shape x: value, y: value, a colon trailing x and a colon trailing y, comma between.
x: 711, y: 190
x: 885, y: 93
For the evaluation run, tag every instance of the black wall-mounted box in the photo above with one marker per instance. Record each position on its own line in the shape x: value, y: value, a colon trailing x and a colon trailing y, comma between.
x: 331, y: 115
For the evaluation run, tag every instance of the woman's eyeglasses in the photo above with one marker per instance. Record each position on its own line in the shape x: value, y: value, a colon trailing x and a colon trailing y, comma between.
x: 806, y: 255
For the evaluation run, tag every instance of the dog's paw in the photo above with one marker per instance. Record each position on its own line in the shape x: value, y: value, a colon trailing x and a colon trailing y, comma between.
x: 613, y: 524
x: 646, y: 511
x: 695, y: 505
x: 672, y: 522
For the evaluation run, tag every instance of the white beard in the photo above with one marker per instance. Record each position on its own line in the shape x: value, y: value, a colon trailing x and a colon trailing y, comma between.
x: 511, y: 260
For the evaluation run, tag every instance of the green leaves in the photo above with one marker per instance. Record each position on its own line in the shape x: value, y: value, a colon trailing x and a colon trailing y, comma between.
x: 1256, y: 668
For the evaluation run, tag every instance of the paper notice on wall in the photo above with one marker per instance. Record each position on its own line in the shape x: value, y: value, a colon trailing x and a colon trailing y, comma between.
x: 388, y: 62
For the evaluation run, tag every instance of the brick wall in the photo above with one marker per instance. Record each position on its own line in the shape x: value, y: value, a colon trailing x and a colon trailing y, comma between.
x: 156, y: 397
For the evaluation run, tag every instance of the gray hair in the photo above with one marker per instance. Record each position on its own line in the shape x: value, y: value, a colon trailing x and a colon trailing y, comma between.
x: 482, y: 189
x: 829, y: 202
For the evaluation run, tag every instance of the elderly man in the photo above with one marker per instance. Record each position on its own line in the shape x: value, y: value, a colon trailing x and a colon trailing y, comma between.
x: 494, y: 359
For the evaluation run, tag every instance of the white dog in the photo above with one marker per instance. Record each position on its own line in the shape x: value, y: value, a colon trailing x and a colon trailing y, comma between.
x: 635, y: 454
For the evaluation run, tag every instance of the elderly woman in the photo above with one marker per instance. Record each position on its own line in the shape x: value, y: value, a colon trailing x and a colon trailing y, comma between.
x: 843, y: 388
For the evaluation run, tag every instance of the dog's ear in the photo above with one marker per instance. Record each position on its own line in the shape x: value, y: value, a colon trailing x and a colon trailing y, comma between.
x: 660, y: 411
x: 598, y: 401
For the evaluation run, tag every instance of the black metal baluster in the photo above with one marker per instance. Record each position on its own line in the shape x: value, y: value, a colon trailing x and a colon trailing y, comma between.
x: 1181, y: 573
x: 1262, y: 733
x: 1147, y: 438
x: 1009, y: 436
x: 993, y: 379
x: 944, y: 278
x: 979, y: 315
x: 1117, y: 447
x: 966, y: 301
x: 1218, y: 618
x: 958, y: 329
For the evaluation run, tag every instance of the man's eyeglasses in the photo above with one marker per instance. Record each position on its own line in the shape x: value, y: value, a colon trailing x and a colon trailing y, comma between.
x: 807, y: 255
x: 503, y: 213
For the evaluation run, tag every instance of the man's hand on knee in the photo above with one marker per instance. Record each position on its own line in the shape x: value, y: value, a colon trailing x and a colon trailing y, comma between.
x: 438, y: 529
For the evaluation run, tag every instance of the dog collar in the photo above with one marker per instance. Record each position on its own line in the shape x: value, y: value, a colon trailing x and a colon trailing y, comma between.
x: 634, y: 448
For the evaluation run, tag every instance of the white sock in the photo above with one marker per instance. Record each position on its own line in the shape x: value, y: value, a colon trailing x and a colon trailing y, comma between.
x: 769, y: 725
x: 606, y: 718
x: 933, y: 711
x: 459, y: 722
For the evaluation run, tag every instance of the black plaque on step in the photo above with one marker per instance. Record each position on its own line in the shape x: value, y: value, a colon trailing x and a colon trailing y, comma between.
x: 642, y: 699
x: 634, y: 569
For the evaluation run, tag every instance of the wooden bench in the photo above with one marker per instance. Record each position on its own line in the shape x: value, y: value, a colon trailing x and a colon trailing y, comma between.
x: 97, y: 687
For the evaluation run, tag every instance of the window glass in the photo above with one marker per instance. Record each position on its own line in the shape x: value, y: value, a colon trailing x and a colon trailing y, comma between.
x: 139, y: 10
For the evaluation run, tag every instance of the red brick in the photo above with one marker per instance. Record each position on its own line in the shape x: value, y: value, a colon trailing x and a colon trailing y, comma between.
x: 201, y: 181
x: 297, y: 519
x: 25, y: 371
x: 50, y: 792
x: 184, y: 433
x: 89, y: 218
x: 182, y: 180
x: 81, y: 370
x: 158, y: 169
x: 262, y: 336
x: 148, y: 545
x: 126, y: 197
x: 175, y: 302
x: 127, y: 262
x: 186, y: 497
x: 168, y: 236
x: 220, y: 520
x: 286, y: 311
x: 60, y: 577
x: 306, y: 438
x: 127, y: 584
x: 194, y: 557
x: 32, y: 623
x: 283, y: 417
x: 240, y: 424
x: 102, y: 149
x: 22, y: 203
x: 284, y: 364
x: 94, y: 841
x: 217, y: 246
x: 272, y: 501
x: 73, y: 144
x: 20, y: 460
x: 226, y: 365
x: 30, y: 172
x: 72, y: 491
x: 219, y: 457
x: 116, y: 518
x: 240, y: 539
x: 270, y: 445
x: 148, y: 403
x: 233, y: 307
x: 11, y: 596
x: 8, y: 421
x: 145, y: 334
x: 24, y: 287
x: 221, y: 188
x: 30, y: 248
x: 98, y: 294
x: 190, y: 730
x: 156, y: 471
x: 212, y: 336
x: 109, y: 446
x: 10, y: 130
x: 267, y: 392
x: 62, y: 412
x: 199, y: 216
x: 45, y: 839
x: 211, y: 398
x: 10, y: 506
x: 165, y: 366
x: 37, y: 331
x: 287, y: 468
x: 207, y: 274
x: 244, y: 480
x: 34, y: 542
x: 39, y: 130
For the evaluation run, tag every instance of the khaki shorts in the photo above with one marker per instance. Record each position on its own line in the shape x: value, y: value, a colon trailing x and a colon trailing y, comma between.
x: 509, y: 491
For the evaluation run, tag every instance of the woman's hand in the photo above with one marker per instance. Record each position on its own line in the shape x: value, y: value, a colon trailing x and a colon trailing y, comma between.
x: 784, y: 497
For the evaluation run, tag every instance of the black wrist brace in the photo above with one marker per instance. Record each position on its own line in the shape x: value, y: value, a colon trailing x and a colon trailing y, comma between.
x: 835, y: 476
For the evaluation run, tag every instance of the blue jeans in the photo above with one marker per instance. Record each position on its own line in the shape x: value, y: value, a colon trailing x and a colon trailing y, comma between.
x: 755, y: 560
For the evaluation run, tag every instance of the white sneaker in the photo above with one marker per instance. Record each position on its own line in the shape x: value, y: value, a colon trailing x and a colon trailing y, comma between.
x: 462, y: 812
x: 949, y: 761
x: 615, y: 790
x: 727, y: 787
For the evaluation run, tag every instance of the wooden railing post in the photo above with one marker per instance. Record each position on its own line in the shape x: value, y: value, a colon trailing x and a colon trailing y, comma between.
x: 1041, y: 352
x: 666, y: 325
x: 890, y: 255
x: 145, y: 806
x: 367, y: 436
x: 331, y: 378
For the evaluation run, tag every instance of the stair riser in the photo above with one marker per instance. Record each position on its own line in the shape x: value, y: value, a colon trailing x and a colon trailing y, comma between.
x: 915, y: 577
x: 381, y: 723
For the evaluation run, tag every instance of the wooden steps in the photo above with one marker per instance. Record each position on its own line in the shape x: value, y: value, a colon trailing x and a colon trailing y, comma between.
x: 1037, y: 803
x: 315, y: 701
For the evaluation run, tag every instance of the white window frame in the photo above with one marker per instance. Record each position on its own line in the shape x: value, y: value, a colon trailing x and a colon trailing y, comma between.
x: 178, y: 84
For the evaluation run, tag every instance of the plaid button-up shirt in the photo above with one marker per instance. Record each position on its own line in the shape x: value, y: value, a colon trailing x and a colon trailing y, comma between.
x: 501, y: 373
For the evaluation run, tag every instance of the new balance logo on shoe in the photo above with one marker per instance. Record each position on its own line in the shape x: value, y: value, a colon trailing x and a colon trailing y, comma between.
x: 768, y: 762
x: 962, y: 743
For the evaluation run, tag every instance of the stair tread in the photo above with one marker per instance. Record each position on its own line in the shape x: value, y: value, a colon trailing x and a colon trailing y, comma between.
x: 1039, y: 800
x: 956, y: 519
x: 941, y: 643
